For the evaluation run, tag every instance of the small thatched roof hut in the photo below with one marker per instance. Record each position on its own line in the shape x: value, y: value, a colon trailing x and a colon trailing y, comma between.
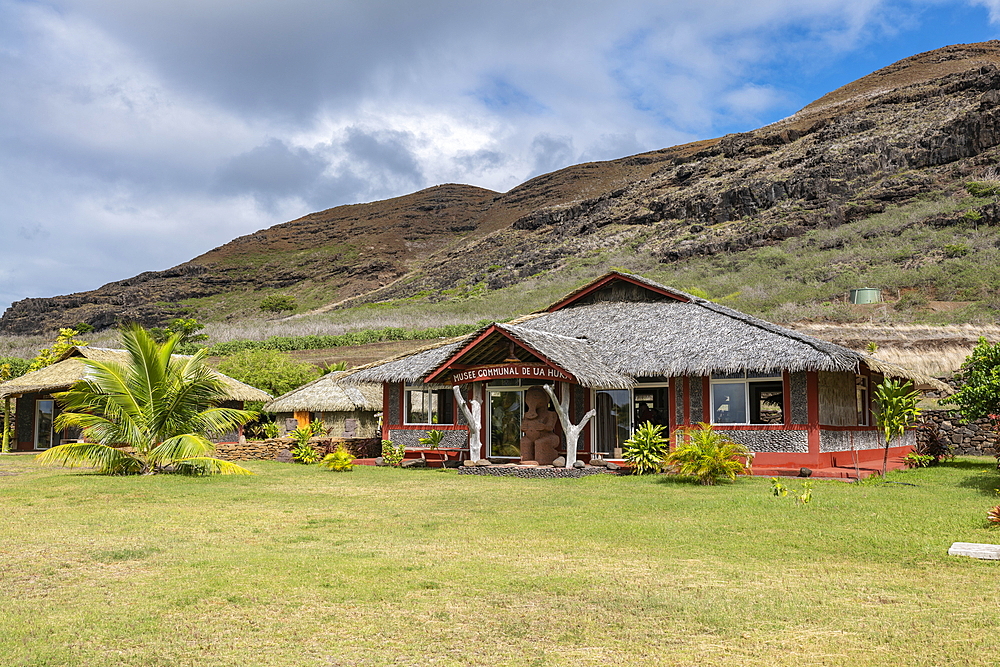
x: 344, y: 408
x: 326, y: 394
x: 634, y: 350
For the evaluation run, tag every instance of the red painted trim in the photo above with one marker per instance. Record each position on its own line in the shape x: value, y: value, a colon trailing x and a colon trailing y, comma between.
x: 687, y: 400
x: 786, y: 397
x: 706, y: 400
x: 494, y: 328
x: 812, y: 405
x: 463, y: 350
x: 672, y: 404
x: 601, y: 282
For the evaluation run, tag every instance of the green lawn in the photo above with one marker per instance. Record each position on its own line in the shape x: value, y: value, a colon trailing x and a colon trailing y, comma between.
x: 299, y: 566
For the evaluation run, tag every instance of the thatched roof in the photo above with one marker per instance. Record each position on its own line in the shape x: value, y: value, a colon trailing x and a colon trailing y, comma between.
x: 600, y: 341
x: 63, y: 374
x: 327, y: 395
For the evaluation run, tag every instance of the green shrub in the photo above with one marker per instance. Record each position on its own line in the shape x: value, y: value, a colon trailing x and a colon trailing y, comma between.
x: 708, y: 456
x: 340, y: 460
x: 910, y: 301
x: 646, y: 449
x: 271, y: 429
x: 302, y: 451
x: 914, y: 460
x: 982, y: 188
x: 270, y: 370
x: 391, y: 454
x: 953, y: 250
x: 278, y: 303
x: 432, y: 439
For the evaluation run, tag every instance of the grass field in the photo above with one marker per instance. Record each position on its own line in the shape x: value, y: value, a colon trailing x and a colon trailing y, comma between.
x: 298, y: 566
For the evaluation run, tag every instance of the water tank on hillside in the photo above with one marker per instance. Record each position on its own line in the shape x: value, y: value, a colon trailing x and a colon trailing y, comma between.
x: 866, y: 295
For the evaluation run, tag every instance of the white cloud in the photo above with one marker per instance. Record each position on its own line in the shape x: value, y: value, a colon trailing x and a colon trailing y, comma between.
x: 137, y: 135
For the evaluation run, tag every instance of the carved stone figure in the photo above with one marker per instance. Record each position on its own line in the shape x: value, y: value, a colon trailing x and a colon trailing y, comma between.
x: 539, y: 443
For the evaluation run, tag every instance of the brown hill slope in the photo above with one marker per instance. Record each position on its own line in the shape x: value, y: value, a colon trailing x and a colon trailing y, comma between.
x: 918, y: 127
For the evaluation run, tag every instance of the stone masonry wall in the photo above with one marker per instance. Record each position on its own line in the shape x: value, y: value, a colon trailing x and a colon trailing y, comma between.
x: 977, y: 438
x: 267, y: 450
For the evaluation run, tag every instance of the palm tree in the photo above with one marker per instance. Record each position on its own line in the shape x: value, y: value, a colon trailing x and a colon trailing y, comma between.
x: 158, y: 406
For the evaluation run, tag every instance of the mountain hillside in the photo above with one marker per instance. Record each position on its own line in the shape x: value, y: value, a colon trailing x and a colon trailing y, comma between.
x: 890, y: 180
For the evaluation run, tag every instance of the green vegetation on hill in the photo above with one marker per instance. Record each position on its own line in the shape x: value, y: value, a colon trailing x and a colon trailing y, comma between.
x: 363, y: 337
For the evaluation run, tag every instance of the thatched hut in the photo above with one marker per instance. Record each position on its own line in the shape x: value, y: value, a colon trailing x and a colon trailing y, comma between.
x: 37, y: 410
x: 347, y: 410
x: 630, y: 350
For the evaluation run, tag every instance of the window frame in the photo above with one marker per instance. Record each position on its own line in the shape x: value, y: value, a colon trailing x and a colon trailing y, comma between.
x: 746, y: 379
x: 428, y: 391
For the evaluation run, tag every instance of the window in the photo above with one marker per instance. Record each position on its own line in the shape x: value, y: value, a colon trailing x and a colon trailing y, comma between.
x: 861, y: 387
x: 423, y: 405
x: 747, y: 398
x: 613, y: 422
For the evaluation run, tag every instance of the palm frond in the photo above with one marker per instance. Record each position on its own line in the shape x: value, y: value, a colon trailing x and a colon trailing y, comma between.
x: 185, y: 446
x: 205, y: 465
x: 107, y: 460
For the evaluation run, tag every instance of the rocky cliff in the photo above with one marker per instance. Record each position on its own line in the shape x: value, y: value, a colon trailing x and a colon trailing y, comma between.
x: 919, y: 126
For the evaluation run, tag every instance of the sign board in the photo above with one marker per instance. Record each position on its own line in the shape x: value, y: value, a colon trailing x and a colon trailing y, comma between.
x: 506, y: 371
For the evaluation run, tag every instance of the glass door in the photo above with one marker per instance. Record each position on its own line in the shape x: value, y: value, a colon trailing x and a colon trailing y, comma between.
x: 506, y: 411
x: 44, y: 416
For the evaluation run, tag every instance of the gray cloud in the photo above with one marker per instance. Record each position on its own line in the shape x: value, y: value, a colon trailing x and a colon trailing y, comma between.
x: 147, y: 133
x: 271, y: 170
x: 551, y: 153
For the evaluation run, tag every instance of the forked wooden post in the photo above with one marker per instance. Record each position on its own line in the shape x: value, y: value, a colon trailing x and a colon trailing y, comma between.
x: 572, y: 431
x: 473, y: 416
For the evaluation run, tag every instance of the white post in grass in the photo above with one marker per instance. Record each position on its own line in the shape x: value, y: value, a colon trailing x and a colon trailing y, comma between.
x: 473, y: 415
x: 572, y: 431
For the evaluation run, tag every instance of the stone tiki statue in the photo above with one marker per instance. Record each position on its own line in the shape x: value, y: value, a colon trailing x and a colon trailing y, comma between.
x: 539, y: 442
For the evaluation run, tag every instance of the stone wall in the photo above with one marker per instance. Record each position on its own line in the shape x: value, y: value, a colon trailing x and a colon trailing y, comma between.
x: 267, y: 450
x: 977, y: 438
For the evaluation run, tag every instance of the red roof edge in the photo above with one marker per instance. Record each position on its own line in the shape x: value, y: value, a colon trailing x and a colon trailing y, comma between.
x: 610, y: 277
x: 478, y: 339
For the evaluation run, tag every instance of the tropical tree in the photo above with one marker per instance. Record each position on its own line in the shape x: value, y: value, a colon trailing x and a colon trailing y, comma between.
x: 896, y: 411
x: 148, y: 415
x: 273, y: 371
x: 708, y: 456
x: 978, y: 395
x: 188, y: 328
x: 50, y: 355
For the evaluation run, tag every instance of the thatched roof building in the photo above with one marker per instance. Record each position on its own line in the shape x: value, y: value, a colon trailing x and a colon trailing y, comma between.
x: 70, y: 369
x: 327, y: 394
x: 37, y: 410
x: 344, y: 408
x: 662, y: 350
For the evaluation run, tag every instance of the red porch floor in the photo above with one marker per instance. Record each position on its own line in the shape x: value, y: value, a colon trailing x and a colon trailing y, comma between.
x: 846, y: 470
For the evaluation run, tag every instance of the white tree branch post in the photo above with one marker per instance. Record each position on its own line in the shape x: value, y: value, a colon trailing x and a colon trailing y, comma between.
x: 572, y: 431
x: 473, y: 415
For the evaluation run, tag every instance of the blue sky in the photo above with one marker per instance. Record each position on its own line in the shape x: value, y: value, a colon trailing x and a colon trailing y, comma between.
x: 135, y: 136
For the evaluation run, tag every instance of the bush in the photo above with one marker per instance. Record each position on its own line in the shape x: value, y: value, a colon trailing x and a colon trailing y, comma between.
x: 278, y: 303
x: 982, y: 188
x: 433, y: 439
x: 708, y: 456
x: 646, y: 449
x: 270, y: 370
x: 932, y: 443
x: 914, y: 460
x: 302, y: 451
x: 340, y: 460
x: 911, y: 300
x: 953, y: 250
x: 391, y: 454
